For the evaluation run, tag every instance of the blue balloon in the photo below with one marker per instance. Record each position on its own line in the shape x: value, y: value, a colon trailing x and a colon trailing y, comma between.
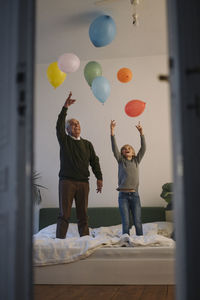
x: 102, y: 31
x: 101, y: 88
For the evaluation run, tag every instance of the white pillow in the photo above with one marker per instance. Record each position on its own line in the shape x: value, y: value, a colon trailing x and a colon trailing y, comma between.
x: 150, y: 228
x: 165, y: 228
x: 162, y: 228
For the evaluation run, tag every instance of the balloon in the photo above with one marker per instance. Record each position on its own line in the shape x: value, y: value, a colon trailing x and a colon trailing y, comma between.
x: 54, y: 75
x: 102, y: 31
x: 134, y: 108
x: 124, y: 75
x: 101, y: 88
x: 91, y: 71
x: 68, y: 62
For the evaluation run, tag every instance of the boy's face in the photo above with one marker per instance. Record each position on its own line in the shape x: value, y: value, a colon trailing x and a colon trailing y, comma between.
x: 128, y: 152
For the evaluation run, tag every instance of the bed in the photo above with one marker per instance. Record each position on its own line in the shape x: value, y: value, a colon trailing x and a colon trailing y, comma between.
x: 112, y: 259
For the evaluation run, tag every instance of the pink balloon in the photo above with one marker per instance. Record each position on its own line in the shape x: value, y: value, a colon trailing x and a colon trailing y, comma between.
x: 68, y: 62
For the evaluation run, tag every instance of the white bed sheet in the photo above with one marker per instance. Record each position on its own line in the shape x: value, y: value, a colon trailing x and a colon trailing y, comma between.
x: 50, y: 251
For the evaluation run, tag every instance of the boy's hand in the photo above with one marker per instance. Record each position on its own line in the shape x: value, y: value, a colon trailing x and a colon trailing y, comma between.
x: 112, y: 126
x: 69, y: 101
x: 139, y: 128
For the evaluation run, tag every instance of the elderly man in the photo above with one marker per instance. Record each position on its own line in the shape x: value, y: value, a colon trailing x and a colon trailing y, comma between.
x: 76, y: 154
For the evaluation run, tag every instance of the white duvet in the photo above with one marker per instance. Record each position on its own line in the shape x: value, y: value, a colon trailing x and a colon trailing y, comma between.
x: 48, y: 250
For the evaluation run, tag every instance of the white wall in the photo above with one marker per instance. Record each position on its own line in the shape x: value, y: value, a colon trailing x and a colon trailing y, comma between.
x: 156, y: 166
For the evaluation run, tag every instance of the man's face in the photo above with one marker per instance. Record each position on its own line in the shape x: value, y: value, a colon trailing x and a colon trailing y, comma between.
x: 74, y: 129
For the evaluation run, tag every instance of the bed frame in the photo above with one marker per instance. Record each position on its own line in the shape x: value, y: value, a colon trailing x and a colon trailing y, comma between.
x: 100, y: 216
x: 140, y: 269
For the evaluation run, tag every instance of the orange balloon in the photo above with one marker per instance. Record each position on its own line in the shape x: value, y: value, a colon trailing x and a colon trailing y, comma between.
x: 124, y: 75
x: 134, y: 108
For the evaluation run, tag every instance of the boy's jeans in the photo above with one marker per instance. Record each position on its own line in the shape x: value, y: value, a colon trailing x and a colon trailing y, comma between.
x: 130, y: 202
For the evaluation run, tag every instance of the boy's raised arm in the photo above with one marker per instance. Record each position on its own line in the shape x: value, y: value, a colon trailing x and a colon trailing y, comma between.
x: 143, y: 143
x: 113, y: 141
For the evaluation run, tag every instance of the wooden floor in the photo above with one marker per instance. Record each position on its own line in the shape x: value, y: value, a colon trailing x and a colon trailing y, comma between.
x: 104, y: 292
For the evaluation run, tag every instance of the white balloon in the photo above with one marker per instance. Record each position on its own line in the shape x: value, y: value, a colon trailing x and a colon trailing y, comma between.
x: 68, y: 62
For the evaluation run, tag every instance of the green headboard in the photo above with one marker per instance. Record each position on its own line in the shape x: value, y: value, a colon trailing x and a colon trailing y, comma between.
x: 100, y: 216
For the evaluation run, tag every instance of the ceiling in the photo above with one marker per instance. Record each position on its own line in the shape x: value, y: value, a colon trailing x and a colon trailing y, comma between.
x: 62, y: 27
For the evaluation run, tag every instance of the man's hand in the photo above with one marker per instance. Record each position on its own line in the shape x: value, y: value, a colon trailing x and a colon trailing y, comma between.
x: 69, y: 101
x: 139, y: 128
x: 99, y: 185
x: 112, y: 126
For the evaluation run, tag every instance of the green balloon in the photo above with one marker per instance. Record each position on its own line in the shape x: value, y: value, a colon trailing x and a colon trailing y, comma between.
x: 91, y: 71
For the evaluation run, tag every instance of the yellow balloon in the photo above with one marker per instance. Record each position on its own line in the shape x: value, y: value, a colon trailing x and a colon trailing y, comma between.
x: 55, y: 75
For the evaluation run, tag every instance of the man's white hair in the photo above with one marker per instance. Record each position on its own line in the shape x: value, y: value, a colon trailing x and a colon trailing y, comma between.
x: 68, y: 123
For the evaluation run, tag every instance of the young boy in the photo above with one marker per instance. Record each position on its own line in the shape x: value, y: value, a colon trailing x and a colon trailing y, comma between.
x: 128, y: 180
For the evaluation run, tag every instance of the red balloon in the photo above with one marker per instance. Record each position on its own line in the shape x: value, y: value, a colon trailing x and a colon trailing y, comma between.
x: 134, y: 108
